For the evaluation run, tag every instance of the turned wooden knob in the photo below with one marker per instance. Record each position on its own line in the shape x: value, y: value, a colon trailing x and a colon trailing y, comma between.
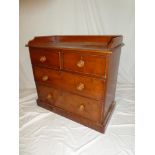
x: 49, y: 96
x: 80, y: 87
x: 45, y: 78
x: 42, y: 59
x: 80, y: 64
x: 81, y: 107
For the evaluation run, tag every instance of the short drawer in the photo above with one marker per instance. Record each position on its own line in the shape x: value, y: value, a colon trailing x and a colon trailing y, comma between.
x: 75, y: 104
x: 45, y: 57
x: 82, y: 85
x: 87, y: 64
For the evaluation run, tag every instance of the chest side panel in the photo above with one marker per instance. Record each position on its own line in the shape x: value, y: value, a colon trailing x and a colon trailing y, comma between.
x: 113, y: 64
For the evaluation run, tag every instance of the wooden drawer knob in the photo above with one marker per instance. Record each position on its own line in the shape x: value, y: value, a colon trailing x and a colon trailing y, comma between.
x: 80, y: 64
x: 42, y: 59
x: 81, y: 107
x: 49, y: 96
x: 45, y: 78
x: 80, y: 87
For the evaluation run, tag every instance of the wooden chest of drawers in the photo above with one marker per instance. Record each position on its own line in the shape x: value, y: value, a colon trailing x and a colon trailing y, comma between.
x: 76, y: 76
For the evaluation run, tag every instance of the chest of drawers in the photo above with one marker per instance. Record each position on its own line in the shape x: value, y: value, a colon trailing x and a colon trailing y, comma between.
x: 76, y: 76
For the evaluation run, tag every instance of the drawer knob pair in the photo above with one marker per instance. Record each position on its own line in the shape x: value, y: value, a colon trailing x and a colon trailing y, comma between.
x: 80, y: 64
x: 42, y: 59
x: 45, y: 78
x: 80, y: 87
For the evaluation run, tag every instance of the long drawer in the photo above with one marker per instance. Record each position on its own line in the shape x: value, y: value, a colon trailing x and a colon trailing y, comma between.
x: 84, y: 107
x: 82, y: 85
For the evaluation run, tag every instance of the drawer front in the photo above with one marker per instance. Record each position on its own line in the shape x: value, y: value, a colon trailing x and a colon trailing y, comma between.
x: 45, y: 57
x: 47, y: 94
x: 87, y: 64
x: 82, y: 85
x: 75, y: 104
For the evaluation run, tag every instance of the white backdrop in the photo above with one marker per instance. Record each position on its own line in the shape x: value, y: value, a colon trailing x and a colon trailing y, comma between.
x: 44, y: 132
x: 77, y: 17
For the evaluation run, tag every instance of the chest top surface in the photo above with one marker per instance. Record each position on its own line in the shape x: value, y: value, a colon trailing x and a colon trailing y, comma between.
x: 97, y: 43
